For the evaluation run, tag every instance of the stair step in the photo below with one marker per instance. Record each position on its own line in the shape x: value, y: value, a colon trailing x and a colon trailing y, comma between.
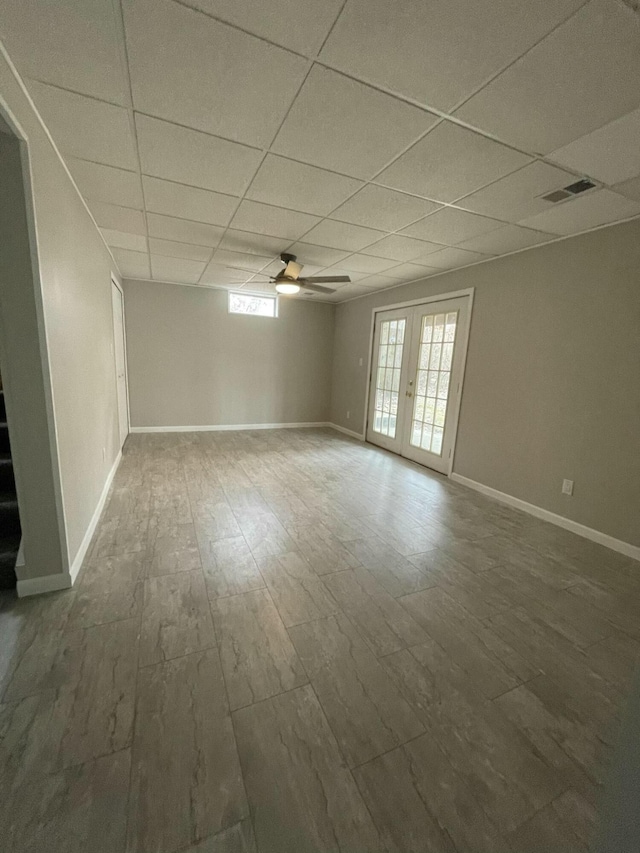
x: 4, y: 438
x: 9, y: 547
x: 9, y: 516
x: 7, y: 481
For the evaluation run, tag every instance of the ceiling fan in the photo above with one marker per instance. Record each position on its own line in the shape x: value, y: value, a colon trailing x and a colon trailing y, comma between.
x: 289, y: 281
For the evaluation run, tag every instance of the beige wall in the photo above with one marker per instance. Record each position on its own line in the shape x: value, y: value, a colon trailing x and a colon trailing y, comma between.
x: 72, y: 293
x: 552, y: 386
x: 191, y: 363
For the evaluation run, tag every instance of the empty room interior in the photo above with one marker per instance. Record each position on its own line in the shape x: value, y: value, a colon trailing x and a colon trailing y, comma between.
x: 319, y: 426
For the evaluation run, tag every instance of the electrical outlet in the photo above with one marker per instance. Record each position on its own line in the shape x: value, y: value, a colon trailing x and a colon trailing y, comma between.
x: 348, y: 415
x: 567, y: 487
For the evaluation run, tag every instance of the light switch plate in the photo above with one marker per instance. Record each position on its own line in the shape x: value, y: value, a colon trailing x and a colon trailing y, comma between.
x: 567, y: 487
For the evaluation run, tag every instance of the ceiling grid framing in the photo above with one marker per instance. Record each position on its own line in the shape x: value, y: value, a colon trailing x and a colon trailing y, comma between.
x: 315, y: 43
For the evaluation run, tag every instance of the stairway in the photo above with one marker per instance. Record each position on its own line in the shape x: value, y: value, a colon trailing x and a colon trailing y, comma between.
x: 9, y: 516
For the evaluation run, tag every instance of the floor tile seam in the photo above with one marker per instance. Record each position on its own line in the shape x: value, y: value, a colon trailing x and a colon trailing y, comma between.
x: 128, y: 827
x: 376, y: 659
x: 219, y: 641
x: 235, y: 743
x: 164, y: 660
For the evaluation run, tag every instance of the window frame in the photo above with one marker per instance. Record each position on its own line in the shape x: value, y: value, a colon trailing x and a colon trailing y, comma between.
x: 270, y: 296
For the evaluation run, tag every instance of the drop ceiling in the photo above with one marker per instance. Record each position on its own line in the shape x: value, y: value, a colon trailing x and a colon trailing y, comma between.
x: 387, y: 140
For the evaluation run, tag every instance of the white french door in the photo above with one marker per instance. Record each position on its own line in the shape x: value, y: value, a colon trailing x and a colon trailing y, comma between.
x: 416, y: 380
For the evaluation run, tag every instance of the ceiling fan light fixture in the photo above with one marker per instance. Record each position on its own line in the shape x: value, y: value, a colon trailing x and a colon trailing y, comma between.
x: 287, y: 288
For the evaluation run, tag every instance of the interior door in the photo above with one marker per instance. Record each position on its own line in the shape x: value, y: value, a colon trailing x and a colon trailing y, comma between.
x: 414, y: 411
x: 120, y: 362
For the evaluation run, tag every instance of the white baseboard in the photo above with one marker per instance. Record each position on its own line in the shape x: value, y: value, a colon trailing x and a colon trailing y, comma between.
x: 64, y: 580
x: 546, y: 515
x: 224, y: 427
x: 358, y: 435
x: 76, y: 565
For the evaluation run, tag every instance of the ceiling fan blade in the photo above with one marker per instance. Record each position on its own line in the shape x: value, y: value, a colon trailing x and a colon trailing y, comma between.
x: 316, y: 279
x: 317, y: 288
x: 292, y: 270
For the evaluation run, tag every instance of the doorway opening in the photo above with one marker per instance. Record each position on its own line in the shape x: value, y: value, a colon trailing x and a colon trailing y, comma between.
x: 120, y: 358
x: 417, y: 368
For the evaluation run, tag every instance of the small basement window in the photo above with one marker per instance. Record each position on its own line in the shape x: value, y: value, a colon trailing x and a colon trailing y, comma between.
x: 251, y: 303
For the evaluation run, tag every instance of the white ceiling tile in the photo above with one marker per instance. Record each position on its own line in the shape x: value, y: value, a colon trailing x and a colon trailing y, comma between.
x: 346, y: 126
x: 349, y: 291
x: 379, y: 207
x: 519, y: 194
x: 183, y: 231
x: 610, y: 154
x: 273, y: 221
x: 106, y: 183
x: 300, y: 25
x: 124, y: 240
x: 172, y: 249
x: 188, y: 68
x: 132, y: 264
x: 213, y: 286
x: 447, y: 259
x: 399, y: 248
x: 509, y: 238
x: 308, y: 296
x: 86, y: 128
x: 118, y: 218
x: 191, y: 157
x: 341, y: 235
x: 187, y: 202
x: 450, y: 162
x: 300, y: 187
x: 598, y: 207
x: 437, y: 52
x: 378, y: 282
x: 451, y: 226
x: 241, y: 260
x: 67, y: 44
x: 254, y: 244
x: 225, y: 276
x: 181, y: 270
x: 320, y: 256
x: 629, y: 188
x: 367, y: 264
x: 410, y: 272
x: 583, y: 75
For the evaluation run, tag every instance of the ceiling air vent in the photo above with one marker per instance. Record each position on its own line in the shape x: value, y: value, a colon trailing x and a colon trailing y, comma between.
x: 575, y: 188
x: 580, y: 186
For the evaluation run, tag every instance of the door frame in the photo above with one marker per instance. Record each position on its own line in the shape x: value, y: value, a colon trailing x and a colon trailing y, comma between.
x: 118, y: 286
x: 467, y: 293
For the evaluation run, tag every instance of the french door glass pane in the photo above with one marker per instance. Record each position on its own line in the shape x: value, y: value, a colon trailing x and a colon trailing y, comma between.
x: 435, y: 360
x: 388, y: 377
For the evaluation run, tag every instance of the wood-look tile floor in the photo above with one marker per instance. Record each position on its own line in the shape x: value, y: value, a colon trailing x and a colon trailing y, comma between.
x: 291, y: 641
